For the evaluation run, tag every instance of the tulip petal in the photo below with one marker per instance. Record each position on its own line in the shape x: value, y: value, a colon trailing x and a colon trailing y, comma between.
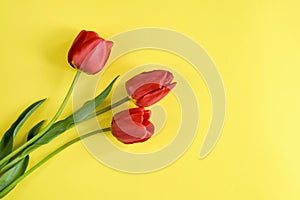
x: 129, y: 120
x: 160, y: 77
x: 83, y: 50
x: 83, y: 39
x: 131, y: 126
x: 128, y: 113
x: 135, y: 115
x: 150, y: 128
x: 154, y: 96
x: 109, y: 44
x: 128, y: 131
x: 145, y: 89
x: 96, y: 58
x: 89, y: 52
x: 80, y: 37
x: 146, y: 116
x: 91, y: 35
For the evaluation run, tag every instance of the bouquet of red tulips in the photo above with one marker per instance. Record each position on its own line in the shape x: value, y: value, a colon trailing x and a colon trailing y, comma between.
x: 88, y: 54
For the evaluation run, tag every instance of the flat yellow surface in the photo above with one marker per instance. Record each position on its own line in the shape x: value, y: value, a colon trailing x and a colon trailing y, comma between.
x: 255, y: 45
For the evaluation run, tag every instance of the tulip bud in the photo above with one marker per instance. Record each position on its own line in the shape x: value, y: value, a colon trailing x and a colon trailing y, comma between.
x: 89, y: 52
x: 148, y: 88
x: 132, y: 126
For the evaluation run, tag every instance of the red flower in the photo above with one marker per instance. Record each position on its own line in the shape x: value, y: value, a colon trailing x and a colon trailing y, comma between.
x: 148, y: 88
x: 131, y: 126
x: 89, y: 52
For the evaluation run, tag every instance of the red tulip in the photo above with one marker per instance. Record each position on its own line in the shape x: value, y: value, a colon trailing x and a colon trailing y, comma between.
x: 148, y: 88
x: 89, y: 52
x: 133, y: 125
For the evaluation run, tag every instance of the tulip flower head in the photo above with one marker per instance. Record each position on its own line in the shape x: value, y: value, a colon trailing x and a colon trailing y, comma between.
x: 89, y: 52
x: 132, y: 126
x: 148, y: 88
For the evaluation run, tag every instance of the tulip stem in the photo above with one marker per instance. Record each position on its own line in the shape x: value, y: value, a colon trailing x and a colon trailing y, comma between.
x: 15, y: 182
x: 120, y: 102
x: 99, y: 112
x: 107, y: 108
x: 55, y: 117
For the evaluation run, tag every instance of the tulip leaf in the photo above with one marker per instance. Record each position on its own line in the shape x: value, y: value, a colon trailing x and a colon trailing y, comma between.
x: 19, y: 168
x: 6, y: 144
x: 35, y: 130
x: 56, y: 129
x: 12, y: 174
x: 31, y: 134
x: 90, y: 105
x: 80, y: 115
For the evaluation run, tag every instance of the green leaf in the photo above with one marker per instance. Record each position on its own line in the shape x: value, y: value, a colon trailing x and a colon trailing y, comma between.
x: 35, y: 130
x: 12, y: 174
x: 55, y: 130
x: 7, y: 140
x: 65, y: 124
x: 17, y: 159
x: 18, y: 168
x: 89, y: 106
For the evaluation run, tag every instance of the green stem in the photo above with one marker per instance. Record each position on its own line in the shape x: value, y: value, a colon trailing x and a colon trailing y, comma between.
x: 15, y: 182
x: 107, y: 108
x: 99, y: 112
x: 35, y: 138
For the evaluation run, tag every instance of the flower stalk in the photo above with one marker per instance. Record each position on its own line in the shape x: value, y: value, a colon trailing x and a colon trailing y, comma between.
x: 99, y: 112
x: 52, y: 121
x: 15, y: 182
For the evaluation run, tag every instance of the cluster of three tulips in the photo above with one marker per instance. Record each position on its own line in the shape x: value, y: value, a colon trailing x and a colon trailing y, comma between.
x: 89, y: 53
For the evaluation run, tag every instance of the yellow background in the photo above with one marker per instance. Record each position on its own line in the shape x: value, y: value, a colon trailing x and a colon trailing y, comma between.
x: 255, y: 45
